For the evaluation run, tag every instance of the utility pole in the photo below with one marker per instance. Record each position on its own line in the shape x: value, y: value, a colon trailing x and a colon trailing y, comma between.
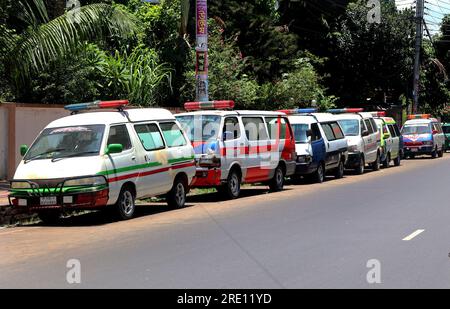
x: 419, y: 34
x: 201, y: 75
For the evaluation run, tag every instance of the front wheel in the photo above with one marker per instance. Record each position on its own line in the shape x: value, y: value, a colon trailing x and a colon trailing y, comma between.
x: 434, y: 154
x: 397, y: 161
x: 176, y: 198
x: 339, y: 173
x: 441, y: 153
x: 376, y: 164
x: 387, y: 162
x: 359, y: 169
x: 232, y: 188
x: 277, y: 182
x: 126, y: 204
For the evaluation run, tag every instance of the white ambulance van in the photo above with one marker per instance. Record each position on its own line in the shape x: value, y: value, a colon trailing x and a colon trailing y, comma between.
x: 234, y: 147
x: 363, y: 137
x: 94, y: 160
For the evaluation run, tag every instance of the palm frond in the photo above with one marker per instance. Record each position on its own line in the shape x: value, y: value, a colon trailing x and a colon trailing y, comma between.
x: 61, y: 36
x: 34, y: 12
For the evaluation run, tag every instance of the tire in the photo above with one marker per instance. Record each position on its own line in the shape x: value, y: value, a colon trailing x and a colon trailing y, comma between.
x: 359, y: 170
x: 232, y: 188
x: 319, y: 175
x: 339, y: 172
x: 277, y: 182
x: 126, y: 204
x: 398, y: 160
x: 434, y: 154
x: 387, y: 161
x: 50, y: 217
x: 376, y: 165
x: 441, y: 153
x: 412, y: 156
x: 176, y: 198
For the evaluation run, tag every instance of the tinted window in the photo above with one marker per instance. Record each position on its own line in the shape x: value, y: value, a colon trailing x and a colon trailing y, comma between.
x: 232, y: 125
x: 337, y: 130
x: 150, y: 136
x: 119, y: 135
x: 328, y: 131
x: 316, y: 135
x: 255, y: 129
x: 374, y: 125
x: 172, y: 134
x: 397, y: 130
x: 446, y: 129
x: 392, y: 130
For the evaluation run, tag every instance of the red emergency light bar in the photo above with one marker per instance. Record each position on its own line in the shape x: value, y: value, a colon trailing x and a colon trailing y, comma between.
x: 378, y: 114
x: 210, y: 105
x: 420, y: 116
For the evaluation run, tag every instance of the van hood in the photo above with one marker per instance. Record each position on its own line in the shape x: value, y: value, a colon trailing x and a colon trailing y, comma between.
x: 303, y: 149
x: 62, y: 168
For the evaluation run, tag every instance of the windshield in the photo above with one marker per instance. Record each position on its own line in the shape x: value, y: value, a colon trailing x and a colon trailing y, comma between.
x: 300, y: 133
x: 446, y: 129
x: 55, y: 143
x: 350, y: 127
x: 416, y: 129
x: 201, y: 128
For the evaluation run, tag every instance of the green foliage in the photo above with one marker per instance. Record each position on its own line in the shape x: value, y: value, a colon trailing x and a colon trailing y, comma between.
x: 372, y: 60
x: 138, y: 76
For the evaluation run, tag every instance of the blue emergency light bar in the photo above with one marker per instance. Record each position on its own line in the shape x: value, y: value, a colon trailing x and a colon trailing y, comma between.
x: 298, y: 111
x: 96, y: 105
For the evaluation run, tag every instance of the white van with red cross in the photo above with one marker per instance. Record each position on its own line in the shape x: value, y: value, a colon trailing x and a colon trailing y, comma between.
x: 104, y: 159
x: 234, y: 147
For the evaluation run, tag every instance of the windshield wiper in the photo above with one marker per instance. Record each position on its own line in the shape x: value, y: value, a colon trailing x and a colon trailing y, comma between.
x: 74, y: 155
x: 44, y: 153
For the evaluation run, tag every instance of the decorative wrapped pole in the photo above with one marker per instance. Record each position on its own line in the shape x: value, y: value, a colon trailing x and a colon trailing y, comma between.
x: 201, y: 69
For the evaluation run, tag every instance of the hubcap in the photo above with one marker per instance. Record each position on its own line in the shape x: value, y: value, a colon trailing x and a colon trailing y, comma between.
x: 234, y: 184
x: 279, y: 177
x: 180, y: 195
x: 127, y: 203
x: 320, y: 173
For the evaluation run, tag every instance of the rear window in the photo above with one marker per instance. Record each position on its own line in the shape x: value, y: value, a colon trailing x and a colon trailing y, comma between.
x: 337, y: 130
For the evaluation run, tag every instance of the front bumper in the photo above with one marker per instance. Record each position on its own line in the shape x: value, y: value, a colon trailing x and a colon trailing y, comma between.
x: 305, y: 168
x: 60, y: 197
x: 421, y: 150
x: 353, y: 160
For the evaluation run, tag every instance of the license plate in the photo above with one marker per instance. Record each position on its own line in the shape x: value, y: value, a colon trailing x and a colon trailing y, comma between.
x: 414, y: 150
x: 48, y: 201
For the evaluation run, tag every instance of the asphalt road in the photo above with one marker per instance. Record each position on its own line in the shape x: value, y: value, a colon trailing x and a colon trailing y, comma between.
x: 309, y: 236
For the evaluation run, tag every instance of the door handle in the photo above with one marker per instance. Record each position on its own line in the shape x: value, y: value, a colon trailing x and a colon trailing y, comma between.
x: 133, y: 158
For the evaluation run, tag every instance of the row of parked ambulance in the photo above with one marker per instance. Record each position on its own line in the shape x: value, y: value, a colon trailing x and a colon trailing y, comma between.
x: 108, y: 159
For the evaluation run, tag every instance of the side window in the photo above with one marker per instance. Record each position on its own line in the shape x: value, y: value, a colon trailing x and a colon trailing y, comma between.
x: 119, y: 135
x: 232, y: 125
x: 392, y: 130
x: 397, y: 130
x: 337, y: 130
x: 369, y: 126
x: 255, y: 129
x: 150, y: 136
x: 316, y: 135
x: 374, y: 125
x: 172, y: 134
x: 275, y: 125
x: 363, y: 126
x: 328, y: 131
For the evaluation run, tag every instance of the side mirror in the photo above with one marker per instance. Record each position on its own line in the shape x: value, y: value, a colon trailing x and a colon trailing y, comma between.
x: 23, y: 150
x: 386, y: 135
x: 228, y: 136
x: 365, y: 133
x: 114, y: 148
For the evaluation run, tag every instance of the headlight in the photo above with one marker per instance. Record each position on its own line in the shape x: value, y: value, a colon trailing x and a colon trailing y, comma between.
x: 304, y: 159
x: 87, y: 181
x: 20, y: 185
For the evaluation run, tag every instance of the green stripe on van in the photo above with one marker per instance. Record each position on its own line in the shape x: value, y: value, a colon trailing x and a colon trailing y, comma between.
x: 144, y: 166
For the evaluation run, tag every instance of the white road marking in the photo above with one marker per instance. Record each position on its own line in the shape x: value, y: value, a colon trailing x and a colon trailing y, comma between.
x: 413, y: 235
